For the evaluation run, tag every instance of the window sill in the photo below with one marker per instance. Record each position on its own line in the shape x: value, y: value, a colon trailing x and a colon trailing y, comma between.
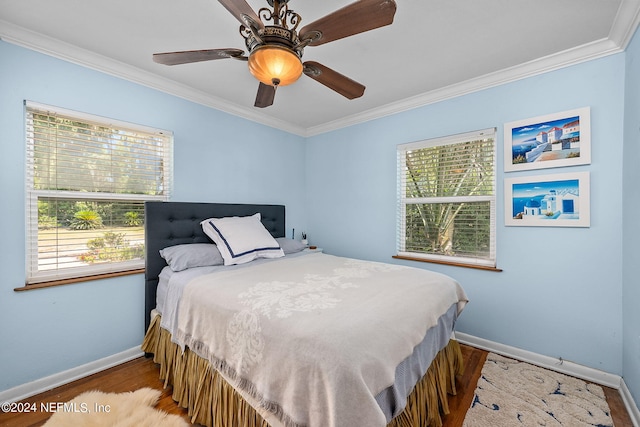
x: 455, y: 264
x: 77, y: 280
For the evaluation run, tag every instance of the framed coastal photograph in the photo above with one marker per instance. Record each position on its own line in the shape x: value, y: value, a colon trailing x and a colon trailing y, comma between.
x: 555, y: 140
x: 556, y: 200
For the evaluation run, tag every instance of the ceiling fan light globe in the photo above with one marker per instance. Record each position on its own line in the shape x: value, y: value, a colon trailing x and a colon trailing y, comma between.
x: 272, y: 64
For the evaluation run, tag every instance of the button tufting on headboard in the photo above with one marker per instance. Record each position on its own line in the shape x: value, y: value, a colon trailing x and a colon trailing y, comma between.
x: 184, y: 219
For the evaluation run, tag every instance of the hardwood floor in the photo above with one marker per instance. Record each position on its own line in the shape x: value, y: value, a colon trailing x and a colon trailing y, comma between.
x: 143, y: 372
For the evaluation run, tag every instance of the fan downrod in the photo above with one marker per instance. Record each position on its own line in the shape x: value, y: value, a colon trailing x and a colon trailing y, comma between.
x: 281, y: 2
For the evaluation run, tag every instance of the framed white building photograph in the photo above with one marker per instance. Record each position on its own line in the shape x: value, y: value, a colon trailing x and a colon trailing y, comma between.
x: 556, y: 200
x: 554, y: 140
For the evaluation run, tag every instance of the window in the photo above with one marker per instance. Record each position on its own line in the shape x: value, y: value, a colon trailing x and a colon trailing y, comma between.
x: 87, y: 180
x: 446, y: 193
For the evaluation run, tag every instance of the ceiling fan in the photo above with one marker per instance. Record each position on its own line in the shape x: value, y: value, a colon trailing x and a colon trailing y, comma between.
x: 275, y: 51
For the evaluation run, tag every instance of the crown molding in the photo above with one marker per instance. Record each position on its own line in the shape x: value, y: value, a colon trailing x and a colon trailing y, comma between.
x: 624, y: 27
x: 625, y: 24
x: 21, y: 36
x: 542, y: 65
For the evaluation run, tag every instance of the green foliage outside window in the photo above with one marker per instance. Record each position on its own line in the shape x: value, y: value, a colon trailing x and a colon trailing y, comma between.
x: 86, y: 220
x: 447, y: 199
x: 87, y: 180
x: 78, y: 220
x: 111, y: 247
x: 132, y: 219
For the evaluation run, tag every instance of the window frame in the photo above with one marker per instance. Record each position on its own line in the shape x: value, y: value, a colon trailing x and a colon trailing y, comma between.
x: 35, y: 277
x: 403, y: 201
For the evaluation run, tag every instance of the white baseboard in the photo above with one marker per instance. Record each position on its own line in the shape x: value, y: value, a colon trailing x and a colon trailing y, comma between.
x: 632, y: 408
x: 47, y: 383
x: 563, y: 366
x: 554, y: 364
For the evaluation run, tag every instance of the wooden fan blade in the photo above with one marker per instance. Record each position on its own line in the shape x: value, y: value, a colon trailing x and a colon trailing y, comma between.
x: 265, y: 95
x: 185, y: 57
x: 358, y: 17
x: 238, y: 8
x: 333, y: 80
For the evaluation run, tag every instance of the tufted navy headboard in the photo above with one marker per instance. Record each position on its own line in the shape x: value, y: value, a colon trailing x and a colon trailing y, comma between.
x: 174, y: 223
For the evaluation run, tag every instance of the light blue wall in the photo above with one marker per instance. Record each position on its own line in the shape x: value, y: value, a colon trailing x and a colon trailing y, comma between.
x: 569, y: 293
x: 631, y: 225
x: 218, y: 157
x: 560, y: 293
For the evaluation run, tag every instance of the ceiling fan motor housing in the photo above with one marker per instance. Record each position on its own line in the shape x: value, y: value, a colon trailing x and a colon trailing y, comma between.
x: 273, y: 35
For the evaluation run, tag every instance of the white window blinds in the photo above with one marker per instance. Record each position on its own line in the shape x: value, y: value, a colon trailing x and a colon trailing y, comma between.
x: 87, y: 180
x: 446, y: 193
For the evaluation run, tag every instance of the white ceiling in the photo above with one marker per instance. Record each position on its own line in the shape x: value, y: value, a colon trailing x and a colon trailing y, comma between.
x: 435, y: 49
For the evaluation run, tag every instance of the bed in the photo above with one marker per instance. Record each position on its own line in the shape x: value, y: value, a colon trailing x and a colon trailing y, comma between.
x: 310, y: 340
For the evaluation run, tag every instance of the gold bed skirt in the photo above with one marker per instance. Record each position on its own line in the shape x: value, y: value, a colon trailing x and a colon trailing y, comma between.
x: 213, y: 402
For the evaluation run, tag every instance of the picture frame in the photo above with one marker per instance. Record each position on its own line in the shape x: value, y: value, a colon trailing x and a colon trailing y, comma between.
x: 554, y: 200
x: 549, y: 141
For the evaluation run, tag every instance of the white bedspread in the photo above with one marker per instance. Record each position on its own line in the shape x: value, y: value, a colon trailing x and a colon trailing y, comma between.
x: 313, y: 339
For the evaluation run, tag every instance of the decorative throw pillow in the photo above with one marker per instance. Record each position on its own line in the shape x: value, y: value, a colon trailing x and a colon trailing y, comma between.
x: 181, y: 257
x: 241, y: 239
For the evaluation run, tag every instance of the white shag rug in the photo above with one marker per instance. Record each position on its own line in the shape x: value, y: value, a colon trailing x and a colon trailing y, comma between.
x: 98, y: 409
x: 512, y: 393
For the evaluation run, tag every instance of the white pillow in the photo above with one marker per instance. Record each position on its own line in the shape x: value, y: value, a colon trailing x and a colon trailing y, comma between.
x: 241, y: 239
